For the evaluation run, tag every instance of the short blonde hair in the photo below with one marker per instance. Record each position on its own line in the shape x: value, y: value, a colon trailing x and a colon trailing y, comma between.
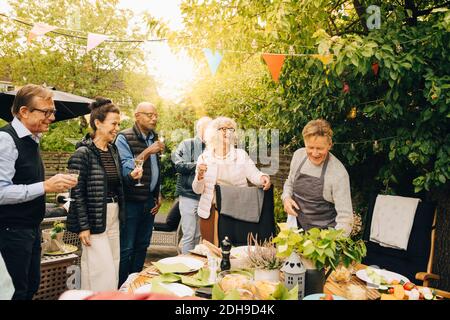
x: 212, y: 133
x: 318, y: 128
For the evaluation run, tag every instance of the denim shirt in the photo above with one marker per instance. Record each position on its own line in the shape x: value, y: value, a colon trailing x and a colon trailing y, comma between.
x: 127, y: 158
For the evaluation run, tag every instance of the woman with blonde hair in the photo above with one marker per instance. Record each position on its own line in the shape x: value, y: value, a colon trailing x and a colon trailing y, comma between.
x: 223, y: 164
x: 317, y: 190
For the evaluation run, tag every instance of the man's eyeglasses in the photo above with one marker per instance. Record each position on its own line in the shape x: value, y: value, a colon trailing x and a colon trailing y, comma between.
x: 47, y: 112
x: 149, y: 114
x: 224, y: 129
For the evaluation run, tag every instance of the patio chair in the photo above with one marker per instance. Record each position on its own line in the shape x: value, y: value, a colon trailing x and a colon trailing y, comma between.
x: 168, y: 233
x: 416, y: 262
x: 238, y: 230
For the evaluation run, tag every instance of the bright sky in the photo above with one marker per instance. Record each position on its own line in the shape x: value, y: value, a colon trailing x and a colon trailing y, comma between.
x: 173, y: 72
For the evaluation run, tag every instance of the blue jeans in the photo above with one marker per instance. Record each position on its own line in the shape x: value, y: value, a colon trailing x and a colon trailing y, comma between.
x: 135, y: 237
x: 189, y: 223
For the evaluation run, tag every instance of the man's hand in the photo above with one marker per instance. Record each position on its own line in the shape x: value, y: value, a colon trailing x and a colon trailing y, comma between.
x: 85, y: 237
x: 289, y: 205
x: 155, y: 209
x: 202, y: 168
x: 156, y: 147
x: 60, y: 183
x: 265, y: 181
x: 137, y: 173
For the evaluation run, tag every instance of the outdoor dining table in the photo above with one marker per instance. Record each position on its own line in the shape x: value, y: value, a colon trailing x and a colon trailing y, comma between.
x: 331, y: 286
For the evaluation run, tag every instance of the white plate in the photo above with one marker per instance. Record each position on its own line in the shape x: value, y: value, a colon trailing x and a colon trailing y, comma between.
x: 240, y: 252
x: 388, y: 275
x: 177, y: 289
x: 192, y: 263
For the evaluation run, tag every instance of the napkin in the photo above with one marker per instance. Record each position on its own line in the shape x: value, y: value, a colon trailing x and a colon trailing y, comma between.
x: 158, y: 288
x: 171, y: 268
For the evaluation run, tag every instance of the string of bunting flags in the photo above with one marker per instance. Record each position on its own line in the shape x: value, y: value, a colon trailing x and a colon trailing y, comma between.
x: 274, y: 61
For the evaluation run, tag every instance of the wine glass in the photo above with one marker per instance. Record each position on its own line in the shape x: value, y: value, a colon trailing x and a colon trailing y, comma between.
x: 139, y: 163
x: 161, y: 139
x: 74, y: 173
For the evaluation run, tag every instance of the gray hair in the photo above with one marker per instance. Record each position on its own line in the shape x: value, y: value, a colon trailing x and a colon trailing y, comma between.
x: 212, y: 134
x: 201, y: 123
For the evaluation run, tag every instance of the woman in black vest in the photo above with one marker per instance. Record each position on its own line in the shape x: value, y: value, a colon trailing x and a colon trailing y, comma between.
x: 98, y: 206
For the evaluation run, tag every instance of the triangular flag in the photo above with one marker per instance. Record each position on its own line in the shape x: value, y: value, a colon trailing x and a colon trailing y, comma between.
x: 325, y: 58
x: 213, y: 59
x: 39, y: 29
x: 94, y: 40
x: 275, y: 63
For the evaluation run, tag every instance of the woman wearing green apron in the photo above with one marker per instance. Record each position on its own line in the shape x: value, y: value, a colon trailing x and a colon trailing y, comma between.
x: 317, y: 190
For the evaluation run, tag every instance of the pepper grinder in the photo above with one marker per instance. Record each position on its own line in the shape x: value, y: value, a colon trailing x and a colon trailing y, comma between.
x: 226, y: 247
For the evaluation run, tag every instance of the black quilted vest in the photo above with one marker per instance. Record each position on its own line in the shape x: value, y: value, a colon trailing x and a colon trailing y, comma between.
x: 137, y: 145
x: 29, y: 170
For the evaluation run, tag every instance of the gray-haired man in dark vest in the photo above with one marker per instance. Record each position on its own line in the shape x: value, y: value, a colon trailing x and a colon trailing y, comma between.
x: 142, y: 202
x: 22, y: 187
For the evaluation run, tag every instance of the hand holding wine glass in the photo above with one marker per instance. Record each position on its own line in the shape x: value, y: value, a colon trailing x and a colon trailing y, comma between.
x: 74, y: 173
x: 139, y: 163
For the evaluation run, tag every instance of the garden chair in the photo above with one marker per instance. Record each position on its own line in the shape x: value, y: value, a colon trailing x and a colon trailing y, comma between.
x: 416, y: 262
x: 238, y: 230
x: 168, y: 233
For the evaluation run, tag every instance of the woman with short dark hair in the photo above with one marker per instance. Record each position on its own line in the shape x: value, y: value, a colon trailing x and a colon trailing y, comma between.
x: 97, y: 208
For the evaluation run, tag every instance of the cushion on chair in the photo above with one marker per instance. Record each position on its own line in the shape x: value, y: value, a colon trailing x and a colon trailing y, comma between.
x: 409, y: 262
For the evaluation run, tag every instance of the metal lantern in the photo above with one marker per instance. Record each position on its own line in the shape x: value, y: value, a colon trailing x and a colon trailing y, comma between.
x: 294, y: 274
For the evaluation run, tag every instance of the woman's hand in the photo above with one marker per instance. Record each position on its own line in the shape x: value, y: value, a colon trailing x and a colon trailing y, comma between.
x: 289, y: 205
x: 265, y: 182
x: 202, y: 168
x: 85, y: 237
x: 137, y: 173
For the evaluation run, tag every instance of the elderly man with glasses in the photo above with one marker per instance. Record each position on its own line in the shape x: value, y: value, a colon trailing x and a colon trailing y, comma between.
x: 22, y: 187
x: 143, y: 200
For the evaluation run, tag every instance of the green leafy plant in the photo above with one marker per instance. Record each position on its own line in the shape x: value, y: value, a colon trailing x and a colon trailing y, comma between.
x: 58, y: 227
x: 325, y: 248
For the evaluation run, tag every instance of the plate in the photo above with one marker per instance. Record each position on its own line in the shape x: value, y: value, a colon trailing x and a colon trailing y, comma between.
x: 385, y: 274
x: 177, y: 289
x: 68, y: 249
x: 240, y: 252
x: 192, y: 263
x: 317, y: 296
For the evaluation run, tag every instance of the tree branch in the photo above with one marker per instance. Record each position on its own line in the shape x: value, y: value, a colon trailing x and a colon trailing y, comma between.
x: 409, y: 5
x: 428, y: 11
x: 361, y: 11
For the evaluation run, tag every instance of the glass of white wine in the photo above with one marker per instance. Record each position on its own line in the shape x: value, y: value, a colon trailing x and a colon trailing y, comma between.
x: 139, y: 163
x: 161, y: 139
x: 74, y: 173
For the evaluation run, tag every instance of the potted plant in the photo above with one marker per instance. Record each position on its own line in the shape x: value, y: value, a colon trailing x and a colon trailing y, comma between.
x: 320, y: 250
x: 54, y: 236
x: 263, y: 258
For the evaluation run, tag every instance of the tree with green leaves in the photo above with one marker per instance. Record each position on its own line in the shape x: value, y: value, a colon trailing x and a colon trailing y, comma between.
x: 385, y: 92
x: 115, y: 70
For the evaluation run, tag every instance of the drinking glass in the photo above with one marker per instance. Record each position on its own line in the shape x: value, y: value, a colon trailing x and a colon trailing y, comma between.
x: 161, y: 139
x: 138, y: 163
x: 74, y: 173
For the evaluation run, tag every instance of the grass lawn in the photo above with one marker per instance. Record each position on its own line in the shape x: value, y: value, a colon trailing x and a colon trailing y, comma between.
x: 166, y: 205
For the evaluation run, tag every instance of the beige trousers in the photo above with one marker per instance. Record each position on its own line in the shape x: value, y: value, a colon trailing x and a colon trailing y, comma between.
x: 100, y: 261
